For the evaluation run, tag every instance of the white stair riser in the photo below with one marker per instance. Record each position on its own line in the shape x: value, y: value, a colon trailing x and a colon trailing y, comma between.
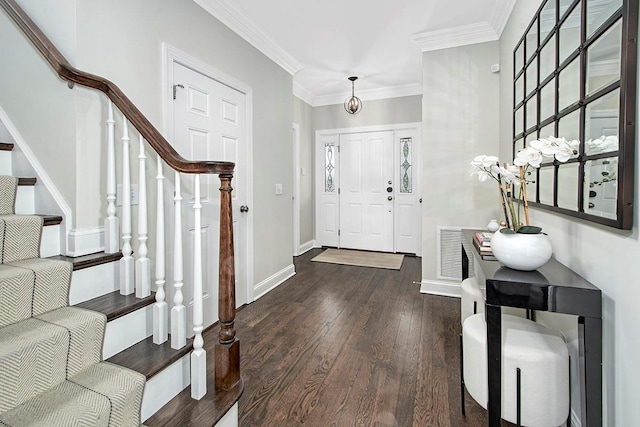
x: 165, y: 385
x: 6, y: 167
x: 50, y: 242
x: 128, y: 330
x: 25, y: 200
x: 93, y: 282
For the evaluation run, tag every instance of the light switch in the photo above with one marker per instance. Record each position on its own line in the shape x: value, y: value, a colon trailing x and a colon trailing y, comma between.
x: 278, y: 189
x: 134, y: 194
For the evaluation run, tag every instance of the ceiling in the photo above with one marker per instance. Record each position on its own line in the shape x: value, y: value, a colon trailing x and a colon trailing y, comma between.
x: 322, y: 42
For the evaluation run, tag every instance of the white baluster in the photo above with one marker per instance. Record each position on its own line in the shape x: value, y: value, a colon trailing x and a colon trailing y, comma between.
x: 143, y: 264
x: 111, y: 222
x: 160, y: 313
x: 178, y: 312
x: 199, y: 355
x: 126, y: 262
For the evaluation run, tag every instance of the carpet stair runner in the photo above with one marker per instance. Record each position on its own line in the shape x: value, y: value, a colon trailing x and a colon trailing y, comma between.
x: 51, y: 372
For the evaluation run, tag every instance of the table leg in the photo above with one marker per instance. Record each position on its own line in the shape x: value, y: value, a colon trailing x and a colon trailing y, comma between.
x: 590, y: 337
x: 465, y: 263
x: 494, y: 362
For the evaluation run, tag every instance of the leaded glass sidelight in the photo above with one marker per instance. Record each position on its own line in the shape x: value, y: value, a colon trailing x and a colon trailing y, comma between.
x: 405, y: 165
x: 329, y: 168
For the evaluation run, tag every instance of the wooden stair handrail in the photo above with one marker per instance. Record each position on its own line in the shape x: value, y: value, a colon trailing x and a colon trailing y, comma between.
x: 66, y: 71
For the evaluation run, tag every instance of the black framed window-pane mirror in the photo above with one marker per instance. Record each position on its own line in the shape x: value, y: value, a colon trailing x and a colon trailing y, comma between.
x: 574, y: 76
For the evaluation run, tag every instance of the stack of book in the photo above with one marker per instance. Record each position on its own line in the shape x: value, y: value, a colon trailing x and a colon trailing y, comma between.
x: 482, y: 243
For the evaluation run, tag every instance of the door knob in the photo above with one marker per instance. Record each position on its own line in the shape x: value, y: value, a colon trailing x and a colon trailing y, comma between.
x: 244, y: 208
x: 390, y: 198
x: 389, y: 189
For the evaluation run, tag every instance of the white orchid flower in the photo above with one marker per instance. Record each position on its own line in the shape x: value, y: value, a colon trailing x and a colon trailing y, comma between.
x: 546, y: 146
x: 603, y: 144
x: 484, y: 161
x: 484, y: 167
x: 566, y: 149
x: 529, y: 156
x: 510, y: 173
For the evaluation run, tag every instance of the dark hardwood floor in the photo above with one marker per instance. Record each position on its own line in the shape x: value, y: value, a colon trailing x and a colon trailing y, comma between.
x: 352, y: 346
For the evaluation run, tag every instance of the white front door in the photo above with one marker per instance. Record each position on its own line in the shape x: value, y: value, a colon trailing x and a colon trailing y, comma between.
x: 209, y: 123
x: 368, y: 188
x: 366, y: 191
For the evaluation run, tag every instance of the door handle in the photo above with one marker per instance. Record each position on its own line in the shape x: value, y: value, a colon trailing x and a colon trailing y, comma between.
x: 389, y: 189
x: 244, y: 208
x: 390, y: 198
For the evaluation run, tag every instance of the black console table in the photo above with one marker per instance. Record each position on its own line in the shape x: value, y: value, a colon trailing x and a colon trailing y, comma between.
x: 553, y: 287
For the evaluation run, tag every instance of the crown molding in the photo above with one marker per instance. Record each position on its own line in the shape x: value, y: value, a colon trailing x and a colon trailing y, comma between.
x: 368, y: 95
x: 233, y: 18
x: 500, y: 15
x: 463, y: 35
x: 302, y: 93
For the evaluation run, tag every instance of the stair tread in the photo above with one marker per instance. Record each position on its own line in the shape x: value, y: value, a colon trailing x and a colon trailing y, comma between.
x: 114, y: 305
x: 149, y: 358
x: 50, y: 219
x: 6, y: 146
x: 91, y: 260
x: 27, y: 181
x: 182, y: 410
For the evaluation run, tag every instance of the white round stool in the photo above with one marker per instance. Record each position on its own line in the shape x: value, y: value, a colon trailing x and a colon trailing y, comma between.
x: 472, y: 299
x: 543, y: 360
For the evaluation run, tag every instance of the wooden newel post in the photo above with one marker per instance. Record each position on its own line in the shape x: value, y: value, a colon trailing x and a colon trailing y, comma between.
x: 227, y: 350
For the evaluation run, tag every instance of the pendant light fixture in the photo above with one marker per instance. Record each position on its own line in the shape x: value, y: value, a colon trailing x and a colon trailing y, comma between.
x: 353, y: 104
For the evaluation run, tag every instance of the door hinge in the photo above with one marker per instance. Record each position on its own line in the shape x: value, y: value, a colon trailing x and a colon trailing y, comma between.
x: 338, y: 190
x: 338, y: 148
x: 338, y: 232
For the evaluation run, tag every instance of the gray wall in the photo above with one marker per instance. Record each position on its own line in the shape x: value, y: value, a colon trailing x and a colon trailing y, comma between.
x: 5, y: 136
x: 121, y: 40
x: 35, y: 100
x: 605, y: 256
x: 460, y: 122
x: 377, y: 112
x: 302, y: 115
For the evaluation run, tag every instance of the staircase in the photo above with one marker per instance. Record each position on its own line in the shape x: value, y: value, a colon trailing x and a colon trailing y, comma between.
x: 50, y: 353
x: 132, y: 333
x: 100, y: 345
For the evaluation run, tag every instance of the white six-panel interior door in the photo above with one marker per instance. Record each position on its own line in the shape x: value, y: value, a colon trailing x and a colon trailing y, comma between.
x: 209, y: 121
x: 367, y: 188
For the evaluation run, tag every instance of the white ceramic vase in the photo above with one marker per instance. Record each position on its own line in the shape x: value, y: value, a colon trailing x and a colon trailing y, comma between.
x: 525, y: 252
x: 493, y: 225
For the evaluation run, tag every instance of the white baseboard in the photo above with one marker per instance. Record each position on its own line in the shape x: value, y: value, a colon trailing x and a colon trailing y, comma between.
x: 125, y: 331
x: 165, y: 385
x: 442, y: 288
x: 230, y: 419
x: 94, y: 282
x: 86, y: 241
x: 305, y: 247
x: 272, y: 282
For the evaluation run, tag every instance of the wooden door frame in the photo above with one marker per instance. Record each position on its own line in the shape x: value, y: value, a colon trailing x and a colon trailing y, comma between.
x: 171, y: 55
x: 396, y: 128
